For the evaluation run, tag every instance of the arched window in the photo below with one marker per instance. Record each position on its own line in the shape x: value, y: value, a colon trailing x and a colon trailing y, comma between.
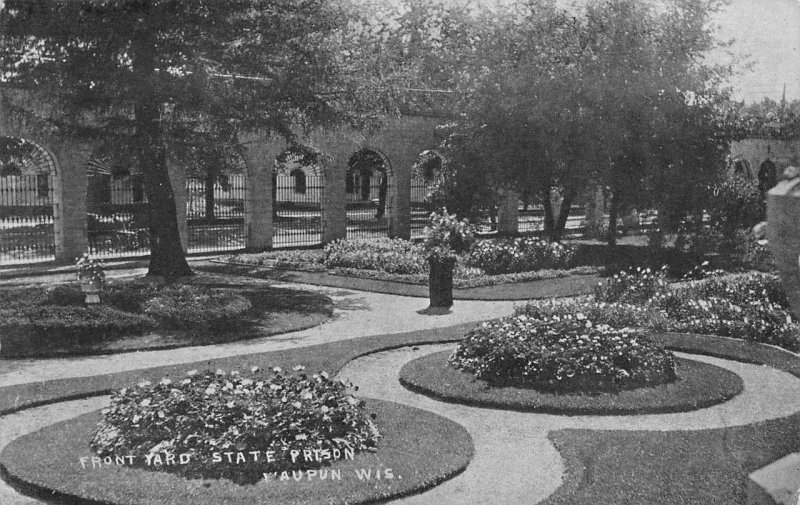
x: 299, y: 181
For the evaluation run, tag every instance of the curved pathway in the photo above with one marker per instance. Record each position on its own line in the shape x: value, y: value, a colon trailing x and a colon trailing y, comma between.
x: 356, y: 314
x: 514, y: 460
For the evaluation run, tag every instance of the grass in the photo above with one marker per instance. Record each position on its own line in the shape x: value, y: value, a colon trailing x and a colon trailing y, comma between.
x: 698, y: 467
x: 272, y: 311
x: 421, y: 449
x: 699, y: 385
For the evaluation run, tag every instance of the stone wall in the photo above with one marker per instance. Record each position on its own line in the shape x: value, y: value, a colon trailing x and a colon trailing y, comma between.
x: 756, y: 151
x: 400, y: 142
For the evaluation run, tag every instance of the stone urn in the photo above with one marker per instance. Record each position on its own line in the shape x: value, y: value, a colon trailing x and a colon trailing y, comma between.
x: 783, y: 233
x: 440, y: 281
x: 92, y: 289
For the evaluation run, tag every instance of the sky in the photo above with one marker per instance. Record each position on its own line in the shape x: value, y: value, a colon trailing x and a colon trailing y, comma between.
x: 769, y: 31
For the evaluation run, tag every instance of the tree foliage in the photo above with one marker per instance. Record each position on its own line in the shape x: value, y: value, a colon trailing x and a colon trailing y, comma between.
x: 616, y: 95
x: 190, y: 74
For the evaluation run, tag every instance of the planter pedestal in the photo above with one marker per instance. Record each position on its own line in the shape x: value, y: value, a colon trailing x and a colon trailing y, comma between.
x: 783, y: 234
x: 440, y: 282
x: 92, y: 290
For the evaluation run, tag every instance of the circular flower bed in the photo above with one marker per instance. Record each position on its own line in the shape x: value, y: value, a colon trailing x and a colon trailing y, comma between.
x: 132, y: 316
x: 56, y: 462
x: 698, y: 385
x: 562, y: 353
x: 208, y: 414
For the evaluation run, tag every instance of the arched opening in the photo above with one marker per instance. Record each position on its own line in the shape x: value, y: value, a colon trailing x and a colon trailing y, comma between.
x: 297, y: 185
x: 27, y: 177
x: 367, y: 188
x: 426, y: 177
x: 767, y: 176
x: 117, y: 214
x: 299, y: 181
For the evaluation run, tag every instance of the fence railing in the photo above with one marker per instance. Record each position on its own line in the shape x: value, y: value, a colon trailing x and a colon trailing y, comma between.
x: 296, y: 210
x: 366, y: 209
x: 215, y: 213
x: 26, y: 219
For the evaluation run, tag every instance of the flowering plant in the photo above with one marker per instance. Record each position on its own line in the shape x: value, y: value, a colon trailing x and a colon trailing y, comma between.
x: 209, y: 413
x: 392, y: 255
x: 90, y: 269
x: 563, y: 353
x: 446, y: 236
x: 519, y: 255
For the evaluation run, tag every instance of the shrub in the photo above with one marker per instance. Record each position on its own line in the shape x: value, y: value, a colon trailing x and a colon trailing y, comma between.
x: 187, y: 306
x: 632, y: 286
x: 568, y: 353
x: 214, y: 412
x: 395, y: 256
x: 45, y: 325
x: 519, y: 255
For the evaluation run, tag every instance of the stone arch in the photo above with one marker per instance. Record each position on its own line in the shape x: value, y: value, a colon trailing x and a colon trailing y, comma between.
x: 28, y: 175
x: 369, y: 174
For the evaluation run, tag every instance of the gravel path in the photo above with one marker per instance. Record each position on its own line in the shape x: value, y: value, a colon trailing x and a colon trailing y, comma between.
x: 516, y: 463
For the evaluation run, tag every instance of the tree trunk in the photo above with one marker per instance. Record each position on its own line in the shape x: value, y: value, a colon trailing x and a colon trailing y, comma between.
x: 549, y: 226
x: 563, y: 214
x: 167, y: 258
x: 613, y: 212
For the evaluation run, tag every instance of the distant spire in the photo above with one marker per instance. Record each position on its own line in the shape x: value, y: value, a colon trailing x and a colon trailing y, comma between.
x: 783, y: 98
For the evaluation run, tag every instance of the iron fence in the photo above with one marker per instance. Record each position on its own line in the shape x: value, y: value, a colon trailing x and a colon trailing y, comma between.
x: 215, y: 213
x: 296, y: 209
x: 117, y: 219
x: 366, y: 208
x: 420, y: 207
x: 26, y: 219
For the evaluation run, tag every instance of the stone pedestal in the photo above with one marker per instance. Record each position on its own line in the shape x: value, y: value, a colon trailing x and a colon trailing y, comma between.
x: 783, y: 233
x: 440, y: 282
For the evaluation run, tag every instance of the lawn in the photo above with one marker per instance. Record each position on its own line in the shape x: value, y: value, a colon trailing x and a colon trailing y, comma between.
x: 134, y: 315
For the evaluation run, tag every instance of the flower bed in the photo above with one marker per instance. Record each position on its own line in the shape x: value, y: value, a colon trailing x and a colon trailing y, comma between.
x: 399, y: 260
x: 699, y: 385
x: 519, y: 255
x: 394, y: 256
x: 207, y: 414
x: 748, y: 306
x: 562, y: 353
x: 48, y: 462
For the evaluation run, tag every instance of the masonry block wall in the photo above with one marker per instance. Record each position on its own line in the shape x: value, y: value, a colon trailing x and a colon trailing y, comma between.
x: 756, y: 151
x: 259, y: 153
x: 400, y: 141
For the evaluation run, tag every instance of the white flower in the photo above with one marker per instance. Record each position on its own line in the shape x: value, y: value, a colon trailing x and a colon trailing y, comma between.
x: 145, y: 402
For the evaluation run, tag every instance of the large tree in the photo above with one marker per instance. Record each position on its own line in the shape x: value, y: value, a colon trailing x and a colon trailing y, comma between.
x: 615, y: 95
x: 147, y: 72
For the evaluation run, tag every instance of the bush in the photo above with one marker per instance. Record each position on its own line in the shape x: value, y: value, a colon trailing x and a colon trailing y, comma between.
x: 47, y: 325
x: 568, y: 353
x: 214, y: 412
x: 182, y: 307
x: 396, y: 256
x: 519, y: 255
x: 632, y: 286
